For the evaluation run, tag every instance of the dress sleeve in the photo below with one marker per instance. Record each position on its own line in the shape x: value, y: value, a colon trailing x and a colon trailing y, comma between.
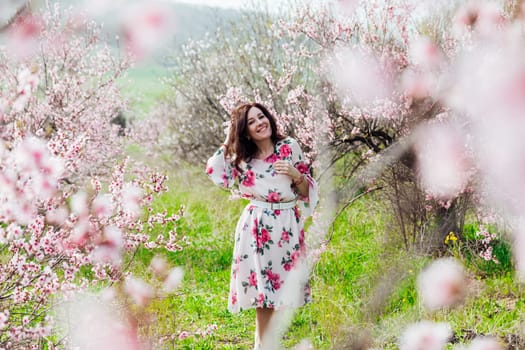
x: 220, y: 170
x: 306, y: 204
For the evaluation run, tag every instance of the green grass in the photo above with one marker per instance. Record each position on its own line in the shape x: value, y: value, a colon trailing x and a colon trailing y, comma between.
x: 143, y: 86
x: 339, y: 280
x: 362, y: 286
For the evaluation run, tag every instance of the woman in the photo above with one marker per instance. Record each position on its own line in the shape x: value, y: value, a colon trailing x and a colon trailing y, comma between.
x: 269, y: 239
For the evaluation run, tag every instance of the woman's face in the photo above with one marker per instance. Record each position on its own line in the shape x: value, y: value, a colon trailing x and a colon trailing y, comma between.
x: 258, y: 125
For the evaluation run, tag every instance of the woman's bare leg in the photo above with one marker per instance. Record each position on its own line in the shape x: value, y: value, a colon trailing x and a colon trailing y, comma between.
x: 263, y: 317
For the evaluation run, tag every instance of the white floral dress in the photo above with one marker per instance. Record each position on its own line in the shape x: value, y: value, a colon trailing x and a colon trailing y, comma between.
x: 269, y: 243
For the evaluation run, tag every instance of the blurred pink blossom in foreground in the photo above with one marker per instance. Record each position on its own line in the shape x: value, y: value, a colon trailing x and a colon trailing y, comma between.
x: 130, y: 199
x: 146, y: 27
x: 94, y: 323
x: 139, y: 291
x: 442, y: 283
x: 305, y: 344
x: 425, y: 335
x: 23, y: 36
x: 485, y: 343
x: 110, y: 248
x: 159, y: 266
x: 484, y: 17
x: 518, y: 249
x: 359, y: 76
x: 173, y: 280
x: 425, y: 53
x: 348, y: 7
x: 443, y: 163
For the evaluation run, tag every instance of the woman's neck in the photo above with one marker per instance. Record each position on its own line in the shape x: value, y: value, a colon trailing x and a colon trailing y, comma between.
x: 264, y: 148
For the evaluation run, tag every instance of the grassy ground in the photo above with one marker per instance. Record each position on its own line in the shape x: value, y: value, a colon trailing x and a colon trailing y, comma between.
x: 363, y: 289
x: 143, y: 86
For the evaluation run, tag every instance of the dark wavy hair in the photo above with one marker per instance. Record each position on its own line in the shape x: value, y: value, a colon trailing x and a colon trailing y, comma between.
x: 238, y: 143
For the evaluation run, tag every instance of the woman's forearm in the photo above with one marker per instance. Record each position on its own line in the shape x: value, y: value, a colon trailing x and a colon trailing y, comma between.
x: 302, y: 186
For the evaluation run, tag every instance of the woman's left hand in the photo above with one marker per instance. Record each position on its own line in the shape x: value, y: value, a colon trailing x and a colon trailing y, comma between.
x: 286, y: 168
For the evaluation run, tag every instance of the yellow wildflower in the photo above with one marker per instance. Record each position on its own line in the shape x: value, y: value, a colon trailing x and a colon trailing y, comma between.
x: 451, y: 237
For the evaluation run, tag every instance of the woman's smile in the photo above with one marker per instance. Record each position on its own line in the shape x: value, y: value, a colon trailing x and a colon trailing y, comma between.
x: 262, y: 128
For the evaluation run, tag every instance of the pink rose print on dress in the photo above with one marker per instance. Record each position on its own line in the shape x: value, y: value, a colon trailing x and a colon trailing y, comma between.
x: 236, y: 266
x: 209, y: 170
x: 255, y: 228
x: 297, y: 213
x: 272, y: 158
x: 302, y: 167
x: 285, y: 238
x: 264, y: 238
x: 301, y: 240
x: 274, y: 197
x: 274, y: 280
x: 288, y: 262
x: 234, y: 298
x: 295, y: 257
x: 285, y: 151
x: 249, y: 179
x: 252, y: 280
x: 225, y: 179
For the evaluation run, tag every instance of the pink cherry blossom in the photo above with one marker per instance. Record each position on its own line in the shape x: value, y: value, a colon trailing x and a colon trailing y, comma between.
x: 159, y: 266
x: 23, y: 36
x: 426, y: 54
x: 305, y: 344
x: 173, y: 280
x: 518, y: 248
x: 57, y: 215
x: 183, y: 335
x: 425, y: 335
x: 109, y: 250
x: 359, y: 76
x: 139, y: 291
x: 79, y: 204
x: 146, y: 26
x: 417, y: 85
x: 442, y: 283
x: 131, y: 195
x: 485, y: 17
x: 4, y: 317
x: 443, y: 162
x: 348, y: 7
x: 94, y: 323
x: 81, y: 231
x: 485, y: 343
x: 102, y: 206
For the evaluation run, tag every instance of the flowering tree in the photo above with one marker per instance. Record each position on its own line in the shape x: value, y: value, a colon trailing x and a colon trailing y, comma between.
x: 71, y: 203
x: 426, y: 104
x: 341, y: 83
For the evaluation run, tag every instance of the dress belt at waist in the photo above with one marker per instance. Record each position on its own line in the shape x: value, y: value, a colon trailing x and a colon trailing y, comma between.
x: 273, y: 206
